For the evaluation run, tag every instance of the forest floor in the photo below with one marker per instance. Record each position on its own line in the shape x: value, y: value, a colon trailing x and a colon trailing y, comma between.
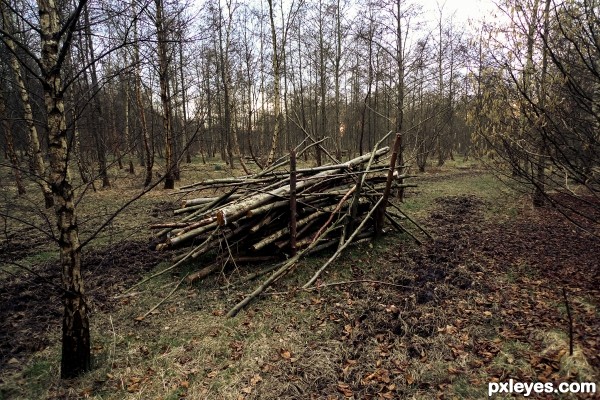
x: 483, y: 302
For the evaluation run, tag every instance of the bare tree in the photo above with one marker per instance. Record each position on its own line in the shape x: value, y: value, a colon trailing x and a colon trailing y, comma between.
x: 539, y: 101
x: 35, y: 150
x: 55, y: 43
x: 163, y: 77
x: 10, y: 146
x: 146, y: 139
x: 276, y: 86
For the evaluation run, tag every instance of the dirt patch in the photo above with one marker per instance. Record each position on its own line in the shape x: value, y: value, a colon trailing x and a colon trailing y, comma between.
x: 547, y: 254
x: 403, y: 321
x: 21, y: 243
x: 163, y: 209
x: 30, y: 306
x: 544, y: 243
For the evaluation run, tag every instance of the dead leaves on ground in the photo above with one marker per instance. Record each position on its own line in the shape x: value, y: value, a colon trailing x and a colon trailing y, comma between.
x: 246, y: 390
x: 482, y: 331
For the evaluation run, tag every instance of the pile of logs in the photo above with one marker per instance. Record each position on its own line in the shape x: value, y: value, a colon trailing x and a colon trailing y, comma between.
x: 283, y: 213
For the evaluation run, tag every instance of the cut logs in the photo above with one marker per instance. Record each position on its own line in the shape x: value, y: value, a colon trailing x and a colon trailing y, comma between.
x: 286, y: 213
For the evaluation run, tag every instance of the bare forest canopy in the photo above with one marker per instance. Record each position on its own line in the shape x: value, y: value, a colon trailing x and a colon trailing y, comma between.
x: 146, y: 80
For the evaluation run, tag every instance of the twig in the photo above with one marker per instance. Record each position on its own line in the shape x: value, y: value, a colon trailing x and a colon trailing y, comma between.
x: 125, y: 295
x: 570, y: 321
x: 178, y: 263
x: 254, y: 275
x: 415, y: 223
x: 341, y: 283
x: 31, y: 271
x: 114, y: 343
x: 400, y: 228
x: 335, y: 210
x: 162, y: 301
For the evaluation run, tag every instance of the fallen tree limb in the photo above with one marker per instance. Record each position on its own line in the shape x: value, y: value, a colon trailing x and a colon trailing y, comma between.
x: 141, y: 318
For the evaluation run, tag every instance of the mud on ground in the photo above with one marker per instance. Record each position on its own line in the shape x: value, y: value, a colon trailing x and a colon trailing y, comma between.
x: 30, y: 305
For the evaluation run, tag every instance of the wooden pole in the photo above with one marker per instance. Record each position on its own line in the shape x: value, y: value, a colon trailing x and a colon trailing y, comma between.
x: 293, y: 213
x: 380, y: 213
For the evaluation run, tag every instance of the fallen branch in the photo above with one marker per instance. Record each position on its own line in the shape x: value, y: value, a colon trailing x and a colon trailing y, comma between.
x: 570, y: 321
x: 341, y: 283
x: 141, y: 318
x: 276, y: 275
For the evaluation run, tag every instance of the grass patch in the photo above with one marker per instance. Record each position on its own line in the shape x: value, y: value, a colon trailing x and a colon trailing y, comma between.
x: 33, y: 381
x: 575, y: 367
x: 41, y: 258
x: 511, y: 359
x: 465, y: 387
x: 500, y: 201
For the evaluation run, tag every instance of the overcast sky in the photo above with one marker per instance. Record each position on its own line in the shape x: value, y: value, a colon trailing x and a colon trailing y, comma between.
x: 463, y: 10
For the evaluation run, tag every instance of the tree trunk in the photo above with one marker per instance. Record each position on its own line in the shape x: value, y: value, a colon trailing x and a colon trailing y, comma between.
x: 163, y: 65
x: 76, y: 331
x: 539, y: 193
x: 37, y: 161
x: 10, y: 147
x: 233, y: 146
x: 186, y: 139
x: 400, y: 91
x: 338, y: 132
x: 276, y: 90
x: 126, y: 108
x: 148, y: 148
x: 322, y: 90
x: 98, y: 131
x: 78, y: 156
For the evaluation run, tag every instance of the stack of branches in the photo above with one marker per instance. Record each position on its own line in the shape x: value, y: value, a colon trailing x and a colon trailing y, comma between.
x: 286, y: 215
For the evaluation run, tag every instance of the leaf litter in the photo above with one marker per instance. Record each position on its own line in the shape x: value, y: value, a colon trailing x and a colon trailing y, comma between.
x: 478, y: 304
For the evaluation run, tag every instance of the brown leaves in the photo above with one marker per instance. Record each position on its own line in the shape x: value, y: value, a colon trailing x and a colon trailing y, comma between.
x: 448, y: 330
x: 347, y: 366
x: 380, y: 375
x: 285, y: 354
x: 345, y: 390
x: 237, y: 349
x: 254, y: 380
x: 134, y: 383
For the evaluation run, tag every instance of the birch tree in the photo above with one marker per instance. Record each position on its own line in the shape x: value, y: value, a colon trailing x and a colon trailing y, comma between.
x: 35, y: 150
x: 163, y: 77
x: 276, y: 86
x: 55, y: 43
